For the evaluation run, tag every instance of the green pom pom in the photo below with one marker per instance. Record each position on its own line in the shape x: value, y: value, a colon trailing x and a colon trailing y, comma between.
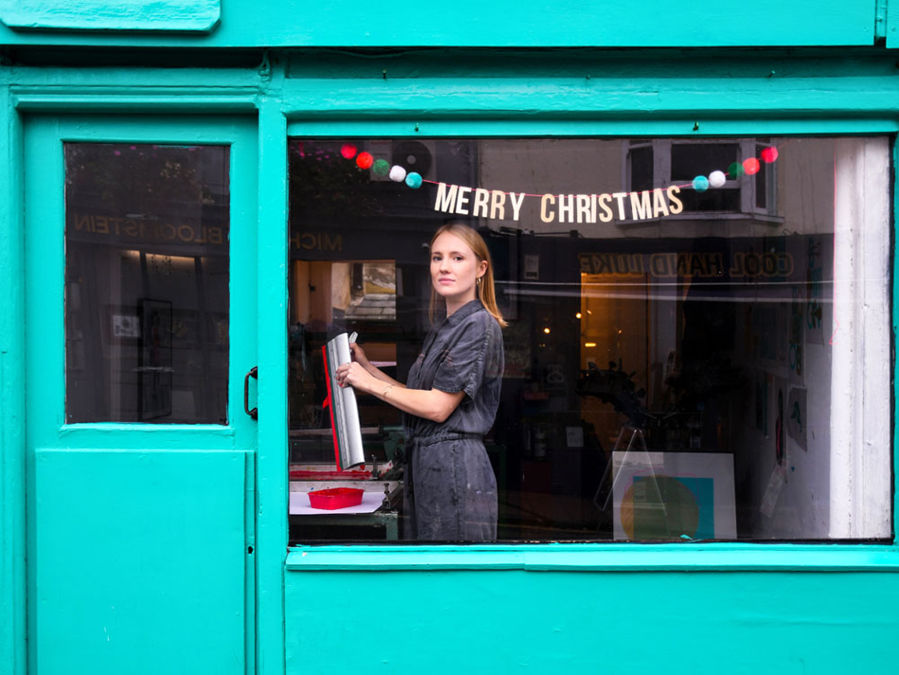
x: 381, y: 167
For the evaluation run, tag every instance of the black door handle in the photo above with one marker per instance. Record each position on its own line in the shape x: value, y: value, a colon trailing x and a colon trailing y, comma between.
x: 254, y: 372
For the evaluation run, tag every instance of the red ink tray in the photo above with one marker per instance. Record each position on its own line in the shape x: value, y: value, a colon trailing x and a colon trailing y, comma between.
x: 335, y: 498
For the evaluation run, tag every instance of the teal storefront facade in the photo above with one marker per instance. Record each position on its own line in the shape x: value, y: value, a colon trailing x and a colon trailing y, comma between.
x: 132, y: 546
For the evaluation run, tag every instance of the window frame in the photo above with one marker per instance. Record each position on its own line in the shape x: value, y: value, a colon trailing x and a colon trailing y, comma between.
x: 51, y: 427
x: 828, y: 555
x: 229, y: 411
x: 746, y: 144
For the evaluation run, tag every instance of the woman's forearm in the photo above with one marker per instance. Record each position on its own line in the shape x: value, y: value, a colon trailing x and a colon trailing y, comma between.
x: 431, y: 404
x: 379, y: 374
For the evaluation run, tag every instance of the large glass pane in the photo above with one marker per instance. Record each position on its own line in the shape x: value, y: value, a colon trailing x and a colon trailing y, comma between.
x: 682, y: 362
x: 146, y: 283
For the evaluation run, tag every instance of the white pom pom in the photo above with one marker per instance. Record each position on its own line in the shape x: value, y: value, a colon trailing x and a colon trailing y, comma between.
x: 397, y: 173
x: 717, y: 179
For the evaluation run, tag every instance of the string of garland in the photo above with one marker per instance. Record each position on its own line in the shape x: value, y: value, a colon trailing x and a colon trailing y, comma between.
x: 381, y: 167
x: 701, y: 183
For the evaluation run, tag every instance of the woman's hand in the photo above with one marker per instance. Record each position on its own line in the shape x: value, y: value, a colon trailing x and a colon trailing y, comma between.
x: 376, y: 378
x: 354, y: 374
x: 359, y: 355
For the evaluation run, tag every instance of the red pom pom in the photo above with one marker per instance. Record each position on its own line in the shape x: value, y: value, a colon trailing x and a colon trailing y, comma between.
x: 751, y: 166
x: 769, y: 154
x: 364, y: 160
x: 348, y: 151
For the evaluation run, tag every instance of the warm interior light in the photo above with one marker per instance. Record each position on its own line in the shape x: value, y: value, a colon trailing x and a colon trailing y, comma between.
x: 589, y: 344
x: 160, y: 259
x: 546, y: 330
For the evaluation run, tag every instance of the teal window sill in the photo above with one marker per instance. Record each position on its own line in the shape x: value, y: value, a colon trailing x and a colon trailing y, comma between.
x: 600, y: 557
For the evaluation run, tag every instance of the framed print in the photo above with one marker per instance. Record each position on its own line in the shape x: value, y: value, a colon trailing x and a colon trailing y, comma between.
x: 673, y: 495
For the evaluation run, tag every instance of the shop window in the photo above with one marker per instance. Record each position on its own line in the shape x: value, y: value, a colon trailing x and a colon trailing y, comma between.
x: 146, y: 301
x: 685, y: 360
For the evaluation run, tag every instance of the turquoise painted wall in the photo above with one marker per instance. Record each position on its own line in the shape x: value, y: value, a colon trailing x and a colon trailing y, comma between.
x: 623, y: 619
x: 678, y: 609
x: 466, y: 23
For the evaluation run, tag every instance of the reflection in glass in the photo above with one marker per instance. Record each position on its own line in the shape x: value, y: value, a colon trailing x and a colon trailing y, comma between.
x: 146, y: 283
x: 676, y: 360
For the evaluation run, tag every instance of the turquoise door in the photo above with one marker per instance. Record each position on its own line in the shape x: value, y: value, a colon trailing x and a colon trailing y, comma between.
x: 140, y: 333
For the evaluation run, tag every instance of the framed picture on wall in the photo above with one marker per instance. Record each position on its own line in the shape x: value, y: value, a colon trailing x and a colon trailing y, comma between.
x: 673, y: 495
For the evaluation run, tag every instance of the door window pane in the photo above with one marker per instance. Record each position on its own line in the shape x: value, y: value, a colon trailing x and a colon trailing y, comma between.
x: 147, y: 272
x: 672, y: 371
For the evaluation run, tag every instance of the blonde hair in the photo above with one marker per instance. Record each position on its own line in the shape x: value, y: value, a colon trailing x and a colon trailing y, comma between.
x: 485, y: 291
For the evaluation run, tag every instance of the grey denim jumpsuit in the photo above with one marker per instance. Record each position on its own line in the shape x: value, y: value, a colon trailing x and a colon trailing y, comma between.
x: 450, y: 488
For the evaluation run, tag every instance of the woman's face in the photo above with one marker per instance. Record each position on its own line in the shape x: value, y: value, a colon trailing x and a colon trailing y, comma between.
x: 454, y: 270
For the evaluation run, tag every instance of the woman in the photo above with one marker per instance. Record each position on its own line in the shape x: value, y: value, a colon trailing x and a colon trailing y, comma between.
x: 451, y: 395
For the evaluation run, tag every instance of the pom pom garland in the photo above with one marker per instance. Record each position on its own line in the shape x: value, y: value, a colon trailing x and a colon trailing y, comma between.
x: 715, y: 179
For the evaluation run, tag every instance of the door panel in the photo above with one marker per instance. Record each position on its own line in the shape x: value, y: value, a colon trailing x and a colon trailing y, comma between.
x: 140, y: 564
x: 140, y: 456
